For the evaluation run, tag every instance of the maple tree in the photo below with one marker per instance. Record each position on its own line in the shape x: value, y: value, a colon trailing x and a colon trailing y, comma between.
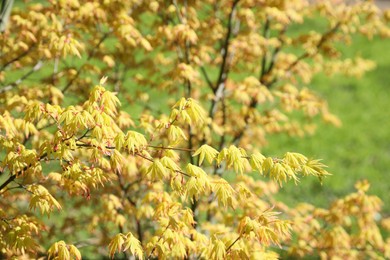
x: 162, y: 158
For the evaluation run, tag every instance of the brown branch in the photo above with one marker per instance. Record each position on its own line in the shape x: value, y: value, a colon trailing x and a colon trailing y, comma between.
x: 206, y: 77
x: 37, y: 67
x: 84, y: 135
x: 55, y: 71
x: 133, y: 203
x: 93, y: 146
x: 151, y: 160
x: 171, y: 148
x: 187, y: 48
x: 232, y: 244
x: 154, y: 248
x: 323, y: 39
x: 274, y: 55
x: 12, y: 177
x: 303, y: 56
x: 17, y: 58
x: 266, y: 34
x: 220, y: 85
x: 90, y: 55
x: 138, y: 154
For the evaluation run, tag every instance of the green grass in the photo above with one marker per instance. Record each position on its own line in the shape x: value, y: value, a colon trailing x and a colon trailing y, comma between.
x: 360, y: 149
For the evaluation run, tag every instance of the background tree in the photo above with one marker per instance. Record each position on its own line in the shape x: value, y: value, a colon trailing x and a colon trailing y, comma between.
x: 177, y: 170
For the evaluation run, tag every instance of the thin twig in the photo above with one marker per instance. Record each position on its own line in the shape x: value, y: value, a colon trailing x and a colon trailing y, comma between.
x: 171, y: 148
x: 220, y: 85
x: 12, y: 177
x: 206, y: 77
x: 154, y: 248
x: 274, y: 56
x: 17, y: 58
x: 303, y: 56
x: 266, y: 34
x: 323, y: 39
x: 90, y: 55
x: 37, y: 67
x: 84, y: 135
x: 232, y: 244
x: 151, y: 160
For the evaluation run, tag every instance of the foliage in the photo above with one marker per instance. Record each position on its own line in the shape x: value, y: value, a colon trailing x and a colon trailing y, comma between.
x: 185, y: 183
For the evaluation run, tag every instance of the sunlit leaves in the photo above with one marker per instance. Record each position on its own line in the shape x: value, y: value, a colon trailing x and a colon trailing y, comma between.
x: 116, y: 244
x: 169, y: 164
x: 198, y: 183
x: 235, y: 157
x: 60, y: 250
x: 295, y: 160
x: 62, y: 136
x: 18, y: 161
x: 207, y: 152
x: 157, y: 170
x: 189, y: 110
x: 42, y: 199
x: 128, y: 242
x: 133, y: 245
x: 19, y: 233
x: 288, y: 168
x: 176, y: 134
x: 218, y: 249
x: 65, y: 44
x: 224, y: 193
x: 267, y: 229
x: 315, y: 168
x: 133, y: 141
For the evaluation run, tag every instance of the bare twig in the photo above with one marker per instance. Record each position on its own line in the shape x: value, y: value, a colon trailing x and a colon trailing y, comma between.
x: 37, y: 67
x: 12, y: 177
x: 206, y: 77
x: 218, y: 90
x: 90, y: 55
x: 17, y: 58
x: 151, y: 160
x: 154, y: 248
x: 232, y: 244
x: 323, y: 39
x: 274, y: 55
x: 171, y: 148
x: 303, y: 56
x: 266, y: 33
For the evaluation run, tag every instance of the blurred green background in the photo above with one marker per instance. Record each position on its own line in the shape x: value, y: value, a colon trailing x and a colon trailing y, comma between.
x: 360, y: 149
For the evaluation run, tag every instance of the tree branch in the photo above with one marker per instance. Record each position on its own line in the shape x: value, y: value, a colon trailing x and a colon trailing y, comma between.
x: 151, y: 160
x: 90, y: 55
x: 266, y: 33
x: 12, y: 177
x: 154, y: 248
x: 37, y: 67
x: 274, y: 55
x: 220, y: 85
x: 17, y: 58
x: 171, y: 148
x: 232, y: 244
x: 303, y: 56
x: 206, y: 77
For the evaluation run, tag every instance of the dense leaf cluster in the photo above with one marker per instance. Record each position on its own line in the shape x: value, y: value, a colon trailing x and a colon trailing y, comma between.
x: 162, y: 159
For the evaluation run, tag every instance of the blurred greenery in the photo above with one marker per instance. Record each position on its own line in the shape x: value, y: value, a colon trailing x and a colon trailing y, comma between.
x: 360, y: 149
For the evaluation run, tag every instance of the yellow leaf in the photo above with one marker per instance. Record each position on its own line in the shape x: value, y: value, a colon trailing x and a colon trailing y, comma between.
x: 116, y: 244
x: 206, y: 151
